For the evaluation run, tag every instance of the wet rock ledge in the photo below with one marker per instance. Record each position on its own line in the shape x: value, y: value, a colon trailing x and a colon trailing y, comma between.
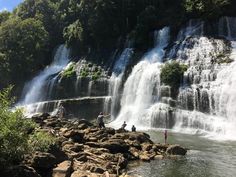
x: 84, y: 150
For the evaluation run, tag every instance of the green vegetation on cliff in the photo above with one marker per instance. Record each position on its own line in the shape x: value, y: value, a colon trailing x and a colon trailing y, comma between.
x: 172, y: 74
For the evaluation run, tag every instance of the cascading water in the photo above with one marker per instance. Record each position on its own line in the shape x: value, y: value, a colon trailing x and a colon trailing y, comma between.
x: 206, y: 99
x: 115, y: 82
x: 141, y: 89
x: 207, y: 105
x: 37, y: 89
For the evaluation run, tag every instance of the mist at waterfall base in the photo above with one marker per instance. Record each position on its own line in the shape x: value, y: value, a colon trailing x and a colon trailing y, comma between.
x: 206, y: 99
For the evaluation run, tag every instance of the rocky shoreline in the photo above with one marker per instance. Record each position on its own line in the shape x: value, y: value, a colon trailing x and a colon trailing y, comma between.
x: 83, y: 150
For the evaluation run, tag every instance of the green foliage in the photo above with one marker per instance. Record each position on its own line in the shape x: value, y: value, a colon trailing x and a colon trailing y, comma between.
x: 4, y: 16
x: 15, y: 140
x: 41, y: 141
x: 172, y: 74
x: 73, y: 34
x: 224, y: 60
x: 13, y: 131
x: 146, y: 21
x: 84, y: 73
x: 208, y: 9
x: 22, y: 47
x: 96, y: 75
x: 69, y: 72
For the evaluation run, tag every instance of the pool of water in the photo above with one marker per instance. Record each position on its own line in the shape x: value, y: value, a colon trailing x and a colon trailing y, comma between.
x: 206, y: 158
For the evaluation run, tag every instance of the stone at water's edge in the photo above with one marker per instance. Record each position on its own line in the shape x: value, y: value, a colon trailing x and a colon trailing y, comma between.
x: 176, y: 150
x: 90, y: 151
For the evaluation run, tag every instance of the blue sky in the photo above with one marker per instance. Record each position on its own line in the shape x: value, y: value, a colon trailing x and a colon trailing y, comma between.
x: 9, y: 4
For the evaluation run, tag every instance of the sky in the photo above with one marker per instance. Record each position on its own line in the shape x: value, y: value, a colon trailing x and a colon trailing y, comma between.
x: 8, y: 4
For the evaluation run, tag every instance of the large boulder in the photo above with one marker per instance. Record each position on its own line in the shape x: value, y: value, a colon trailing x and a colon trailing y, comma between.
x: 115, y: 146
x: 63, y: 169
x: 20, y: 171
x: 176, y: 150
x: 42, y: 160
x: 75, y: 135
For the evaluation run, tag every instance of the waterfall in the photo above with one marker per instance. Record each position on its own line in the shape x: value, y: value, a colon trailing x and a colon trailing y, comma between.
x: 115, y: 82
x: 207, y: 105
x: 141, y: 89
x: 36, y: 90
x: 206, y: 100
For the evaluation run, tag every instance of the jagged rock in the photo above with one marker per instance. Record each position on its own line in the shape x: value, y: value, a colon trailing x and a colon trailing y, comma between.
x: 176, y: 150
x: 63, y: 169
x: 80, y: 173
x: 58, y: 153
x: 42, y: 160
x: 51, y: 122
x: 83, y: 126
x: 75, y: 147
x: 93, y: 144
x: 160, y: 147
x: 20, y: 171
x: 97, y: 151
x: 146, y: 147
x: 134, y: 152
x: 140, y: 137
x: 75, y: 135
x: 115, y: 146
x: 84, y: 121
x: 145, y: 156
x: 159, y: 157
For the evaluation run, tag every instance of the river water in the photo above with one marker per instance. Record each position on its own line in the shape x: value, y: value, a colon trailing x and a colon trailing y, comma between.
x: 206, y: 158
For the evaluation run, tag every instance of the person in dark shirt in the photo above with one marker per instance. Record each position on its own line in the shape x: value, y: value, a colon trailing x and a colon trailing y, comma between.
x: 100, y: 120
x: 133, y: 128
x: 124, y: 125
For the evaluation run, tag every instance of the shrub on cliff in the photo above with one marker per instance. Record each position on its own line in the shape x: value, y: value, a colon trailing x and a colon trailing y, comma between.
x: 172, y: 74
x: 16, y: 133
x: 69, y: 71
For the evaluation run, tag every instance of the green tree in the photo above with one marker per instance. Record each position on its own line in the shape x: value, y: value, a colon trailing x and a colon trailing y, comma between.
x: 207, y: 9
x: 73, y: 34
x: 4, y: 16
x: 172, y: 74
x: 23, y: 44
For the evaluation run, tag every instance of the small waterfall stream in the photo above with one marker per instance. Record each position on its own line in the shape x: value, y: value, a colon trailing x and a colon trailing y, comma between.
x: 39, y: 90
x: 115, y: 82
x: 35, y: 90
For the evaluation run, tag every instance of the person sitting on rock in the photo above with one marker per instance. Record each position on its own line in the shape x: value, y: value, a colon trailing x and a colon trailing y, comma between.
x: 133, y: 128
x: 123, y: 125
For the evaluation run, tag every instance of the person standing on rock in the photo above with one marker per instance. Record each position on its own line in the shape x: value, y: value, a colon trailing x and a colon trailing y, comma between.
x: 124, y: 125
x: 61, y: 111
x: 165, y: 136
x: 100, y: 120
